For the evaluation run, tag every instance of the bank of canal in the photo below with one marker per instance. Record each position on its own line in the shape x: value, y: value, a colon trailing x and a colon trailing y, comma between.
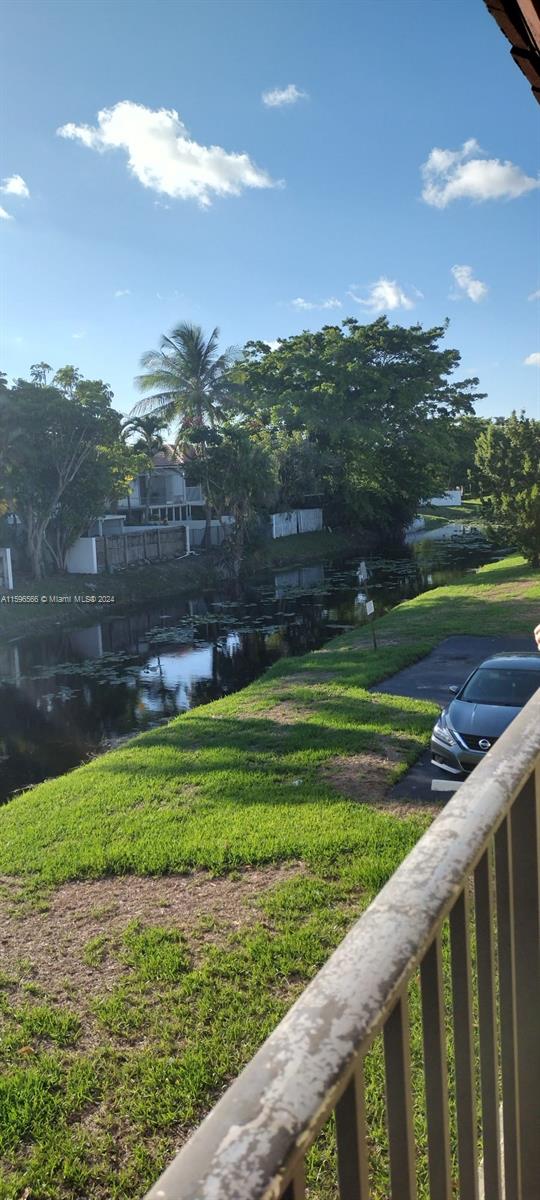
x: 71, y: 694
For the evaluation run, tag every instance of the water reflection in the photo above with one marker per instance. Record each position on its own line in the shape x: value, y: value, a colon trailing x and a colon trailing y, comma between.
x: 70, y: 695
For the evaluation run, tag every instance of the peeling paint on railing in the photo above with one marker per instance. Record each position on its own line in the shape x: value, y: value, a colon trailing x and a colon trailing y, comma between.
x: 249, y: 1144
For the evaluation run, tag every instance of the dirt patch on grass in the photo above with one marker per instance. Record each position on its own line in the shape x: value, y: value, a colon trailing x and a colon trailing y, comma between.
x: 282, y: 712
x: 285, y: 713
x: 308, y: 677
x: 368, y: 778
x: 364, y: 777
x: 71, y: 950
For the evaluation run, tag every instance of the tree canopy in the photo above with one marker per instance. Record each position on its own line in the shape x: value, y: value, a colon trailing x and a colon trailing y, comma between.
x: 363, y: 419
x: 508, y: 467
x: 63, y: 459
x: 185, y: 381
x: 376, y: 402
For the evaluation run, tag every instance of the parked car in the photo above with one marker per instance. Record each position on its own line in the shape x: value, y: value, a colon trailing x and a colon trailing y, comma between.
x: 482, y: 709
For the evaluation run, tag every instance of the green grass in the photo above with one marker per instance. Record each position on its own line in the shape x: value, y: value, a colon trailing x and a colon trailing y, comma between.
x: 96, y: 1094
x: 309, y: 547
x: 467, y: 513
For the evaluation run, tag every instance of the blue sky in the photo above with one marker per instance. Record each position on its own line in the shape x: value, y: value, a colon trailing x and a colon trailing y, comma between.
x: 324, y: 208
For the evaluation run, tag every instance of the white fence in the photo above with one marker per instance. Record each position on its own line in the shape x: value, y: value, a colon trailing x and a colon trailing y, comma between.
x: 81, y: 558
x: 300, y: 520
x: 94, y: 555
x: 6, y: 574
x: 197, y: 533
x: 451, y: 498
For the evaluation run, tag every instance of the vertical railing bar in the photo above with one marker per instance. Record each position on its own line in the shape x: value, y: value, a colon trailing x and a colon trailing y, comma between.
x: 296, y: 1189
x: 351, y: 1134
x: 507, y: 1004
x: 487, y: 1023
x: 525, y: 826
x: 399, y: 1101
x: 463, y: 1047
x: 435, y: 1071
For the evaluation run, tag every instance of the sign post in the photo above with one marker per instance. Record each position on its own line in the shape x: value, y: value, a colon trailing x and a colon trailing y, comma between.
x: 370, y: 610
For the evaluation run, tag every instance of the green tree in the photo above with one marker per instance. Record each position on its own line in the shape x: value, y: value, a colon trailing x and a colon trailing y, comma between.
x: 147, y: 436
x: 66, y: 379
x: 239, y: 475
x: 39, y: 372
x: 378, y: 399
x: 461, y: 437
x: 145, y: 432
x: 186, y: 382
x: 304, y: 470
x: 508, y: 465
x: 66, y: 459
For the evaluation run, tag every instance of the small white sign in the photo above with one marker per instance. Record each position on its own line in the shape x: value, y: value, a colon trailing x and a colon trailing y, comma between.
x: 370, y: 608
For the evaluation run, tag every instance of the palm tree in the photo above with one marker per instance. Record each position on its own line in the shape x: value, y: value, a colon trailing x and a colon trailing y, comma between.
x: 148, y: 440
x: 186, y: 383
x: 186, y: 379
x: 148, y: 432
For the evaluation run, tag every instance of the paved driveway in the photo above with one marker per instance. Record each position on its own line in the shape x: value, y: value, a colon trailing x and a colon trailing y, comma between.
x: 429, y: 679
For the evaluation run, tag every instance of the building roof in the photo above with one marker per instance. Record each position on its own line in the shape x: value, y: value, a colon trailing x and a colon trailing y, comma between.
x: 519, y: 20
x: 167, y: 457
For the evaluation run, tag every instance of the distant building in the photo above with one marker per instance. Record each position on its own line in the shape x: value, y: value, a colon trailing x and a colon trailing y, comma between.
x: 162, y: 494
x: 135, y: 532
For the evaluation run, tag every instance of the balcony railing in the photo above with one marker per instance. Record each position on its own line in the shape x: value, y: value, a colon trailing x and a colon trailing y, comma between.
x: 194, y: 495
x: 462, y: 912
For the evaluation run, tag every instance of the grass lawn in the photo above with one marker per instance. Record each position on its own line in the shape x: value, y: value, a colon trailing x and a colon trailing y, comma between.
x: 164, y: 905
x: 466, y: 513
x: 308, y: 547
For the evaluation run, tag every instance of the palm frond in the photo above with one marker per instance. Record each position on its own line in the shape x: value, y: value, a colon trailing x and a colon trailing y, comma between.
x: 157, y: 404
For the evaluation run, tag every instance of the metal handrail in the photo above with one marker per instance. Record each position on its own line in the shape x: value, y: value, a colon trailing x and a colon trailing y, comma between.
x: 253, y: 1144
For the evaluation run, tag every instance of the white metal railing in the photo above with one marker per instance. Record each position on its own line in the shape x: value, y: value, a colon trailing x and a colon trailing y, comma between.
x: 474, y: 877
x: 194, y: 495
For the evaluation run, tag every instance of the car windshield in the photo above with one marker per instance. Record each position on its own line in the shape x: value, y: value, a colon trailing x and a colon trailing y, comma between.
x: 501, y: 685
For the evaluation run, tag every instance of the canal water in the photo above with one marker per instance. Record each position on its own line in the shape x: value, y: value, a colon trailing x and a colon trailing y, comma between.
x: 68, y: 696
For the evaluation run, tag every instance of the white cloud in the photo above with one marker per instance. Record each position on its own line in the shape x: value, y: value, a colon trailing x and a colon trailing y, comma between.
x: 473, y: 288
x: 163, y: 156
x: 5, y: 216
x: 532, y: 360
x: 14, y: 185
x: 274, y: 345
x: 122, y: 292
x: 80, y: 334
x: 534, y: 295
x: 279, y: 97
x: 456, y: 174
x: 308, y: 305
x: 384, y: 296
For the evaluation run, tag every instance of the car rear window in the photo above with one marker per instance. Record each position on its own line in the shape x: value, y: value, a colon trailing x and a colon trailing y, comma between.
x: 493, y: 685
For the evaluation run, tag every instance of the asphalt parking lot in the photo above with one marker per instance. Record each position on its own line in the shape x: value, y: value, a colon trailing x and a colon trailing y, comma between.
x: 429, y: 679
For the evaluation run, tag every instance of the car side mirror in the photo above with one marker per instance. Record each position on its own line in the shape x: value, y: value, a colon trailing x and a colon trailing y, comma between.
x: 454, y: 688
